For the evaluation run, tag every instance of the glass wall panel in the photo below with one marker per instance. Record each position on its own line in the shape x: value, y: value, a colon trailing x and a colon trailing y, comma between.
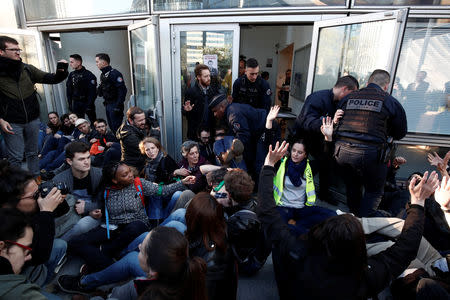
x: 401, y: 2
x: 422, y: 82
x: 355, y: 49
x: 63, y: 9
x: 175, y: 5
x: 29, y: 55
x: 143, y: 56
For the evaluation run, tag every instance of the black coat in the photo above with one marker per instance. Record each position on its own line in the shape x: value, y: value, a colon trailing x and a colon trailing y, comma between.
x: 306, y: 275
x: 164, y: 170
x: 130, y: 136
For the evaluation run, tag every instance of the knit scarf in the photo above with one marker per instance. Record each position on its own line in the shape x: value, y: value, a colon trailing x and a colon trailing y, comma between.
x: 296, y: 171
x: 152, y: 166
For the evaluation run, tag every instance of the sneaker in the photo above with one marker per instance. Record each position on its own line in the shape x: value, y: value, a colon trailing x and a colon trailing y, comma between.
x: 71, y: 284
x: 61, y: 263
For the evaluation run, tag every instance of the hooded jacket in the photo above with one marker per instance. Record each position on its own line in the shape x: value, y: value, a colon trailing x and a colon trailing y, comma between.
x: 18, y: 100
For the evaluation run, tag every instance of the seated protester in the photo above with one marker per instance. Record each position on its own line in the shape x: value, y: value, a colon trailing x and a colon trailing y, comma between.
x: 334, y: 251
x: 206, y: 233
x: 228, y: 150
x: 190, y: 165
x: 130, y: 134
x: 20, y: 190
x: 159, y: 168
x: 294, y: 191
x: 16, y: 237
x: 51, y: 130
x: 161, y: 260
x: 104, y: 146
x: 87, y: 133
x: 73, y: 119
x: 205, y: 145
x: 121, y: 226
x: 83, y: 183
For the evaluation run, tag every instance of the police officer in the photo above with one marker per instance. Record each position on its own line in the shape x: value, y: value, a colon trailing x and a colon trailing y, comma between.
x: 248, y: 125
x: 251, y: 89
x: 370, y: 117
x: 112, y: 88
x: 319, y: 105
x: 81, y: 89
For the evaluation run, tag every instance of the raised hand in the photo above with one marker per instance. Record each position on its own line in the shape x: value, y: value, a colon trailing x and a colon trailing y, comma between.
x: 187, y: 105
x: 434, y: 159
x: 327, y: 129
x: 424, y: 189
x: 442, y: 193
x: 338, y: 115
x: 398, y: 161
x: 273, y: 156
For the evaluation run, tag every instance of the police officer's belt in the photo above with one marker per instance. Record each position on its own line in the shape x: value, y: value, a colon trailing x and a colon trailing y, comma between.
x: 358, y: 142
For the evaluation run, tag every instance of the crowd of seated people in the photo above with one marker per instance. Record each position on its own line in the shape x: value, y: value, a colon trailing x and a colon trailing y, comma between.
x: 101, y: 193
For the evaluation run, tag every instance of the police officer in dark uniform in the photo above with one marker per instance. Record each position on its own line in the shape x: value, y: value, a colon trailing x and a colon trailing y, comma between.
x: 251, y: 88
x: 112, y: 88
x: 248, y: 125
x: 319, y: 105
x: 371, y: 118
x: 81, y: 89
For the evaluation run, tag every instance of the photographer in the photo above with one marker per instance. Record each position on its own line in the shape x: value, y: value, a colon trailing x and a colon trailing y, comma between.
x: 20, y: 190
x: 82, y: 183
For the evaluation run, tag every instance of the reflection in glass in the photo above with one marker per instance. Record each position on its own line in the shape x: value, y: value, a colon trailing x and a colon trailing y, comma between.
x: 422, y: 82
x: 29, y: 55
x: 400, y: 2
x: 355, y: 49
x: 143, y: 56
x: 199, y: 47
x: 62, y: 9
x: 168, y: 5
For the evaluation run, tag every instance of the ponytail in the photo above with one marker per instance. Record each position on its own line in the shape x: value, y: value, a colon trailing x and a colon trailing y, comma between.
x: 195, y: 279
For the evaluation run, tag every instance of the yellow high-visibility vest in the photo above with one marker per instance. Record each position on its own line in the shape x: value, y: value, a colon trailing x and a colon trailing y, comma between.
x: 278, y: 184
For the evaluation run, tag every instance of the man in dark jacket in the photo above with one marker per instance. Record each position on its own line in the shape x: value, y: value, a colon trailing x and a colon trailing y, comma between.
x: 81, y: 89
x: 19, y: 106
x: 196, y: 102
x: 370, y: 117
x: 112, y: 88
x: 319, y: 105
x: 332, y: 262
x: 130, y: 134
x: 19, y: 190
x: 104, y: 146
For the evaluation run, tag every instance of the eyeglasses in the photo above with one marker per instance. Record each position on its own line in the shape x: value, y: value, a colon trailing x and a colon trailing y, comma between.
x: 29, y: 249
x: 14, y: 49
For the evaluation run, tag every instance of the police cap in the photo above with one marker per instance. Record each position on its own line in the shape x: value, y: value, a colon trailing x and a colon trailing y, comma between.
x: 217, y: 100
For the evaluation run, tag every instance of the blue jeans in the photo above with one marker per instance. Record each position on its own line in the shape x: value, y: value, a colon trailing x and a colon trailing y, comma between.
x: 361, y: 168
x: 58, y: 251
x: 305, y: 217
x: 125, y: 268
x: 156, y: 209
x: 52, y: 160
x: 24, y: 140
x: 84, y: 225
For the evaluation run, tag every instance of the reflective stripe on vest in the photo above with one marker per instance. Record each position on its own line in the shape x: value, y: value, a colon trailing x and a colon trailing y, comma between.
x: 278, y: 184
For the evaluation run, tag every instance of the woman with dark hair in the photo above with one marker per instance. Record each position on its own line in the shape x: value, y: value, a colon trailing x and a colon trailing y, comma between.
x: 190, y: 165
x: 124, y: 215
x: 294, y: 191
x: 16, y: 236
x: 206, y: 233
x: 159, y: 168
x: 332, y: 262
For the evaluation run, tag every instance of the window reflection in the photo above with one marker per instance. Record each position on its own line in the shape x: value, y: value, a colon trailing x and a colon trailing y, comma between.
x: 401, y: 2
x: 422, y: 83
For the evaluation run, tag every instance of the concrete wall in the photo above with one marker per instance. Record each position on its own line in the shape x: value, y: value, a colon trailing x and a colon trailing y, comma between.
x: 7, y: 14
x: 88, y: 44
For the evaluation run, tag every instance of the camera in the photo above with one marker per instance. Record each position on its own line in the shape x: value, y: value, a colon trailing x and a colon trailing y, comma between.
x: 46, y: 187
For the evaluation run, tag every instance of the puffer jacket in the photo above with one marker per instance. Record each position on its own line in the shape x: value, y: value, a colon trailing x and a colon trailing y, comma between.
x: 18, y: 100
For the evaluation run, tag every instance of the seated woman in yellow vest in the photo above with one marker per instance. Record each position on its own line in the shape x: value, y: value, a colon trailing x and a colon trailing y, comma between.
x: 294, y: 193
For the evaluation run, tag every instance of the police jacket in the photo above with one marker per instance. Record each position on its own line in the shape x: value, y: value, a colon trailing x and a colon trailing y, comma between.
x: 112, y: 87
x: 200, y: 113
x: 81, y: 86
x: 257, y: 93
x: 311, y: 274
x: 221, y: 277
x: 130, y: 136
x: 246, y: 122
x: 370, y: 116
x: 317, y: 106
x: 18, y: 100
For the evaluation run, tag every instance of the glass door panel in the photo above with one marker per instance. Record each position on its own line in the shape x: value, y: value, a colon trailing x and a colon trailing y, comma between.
x: 355, y: 46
